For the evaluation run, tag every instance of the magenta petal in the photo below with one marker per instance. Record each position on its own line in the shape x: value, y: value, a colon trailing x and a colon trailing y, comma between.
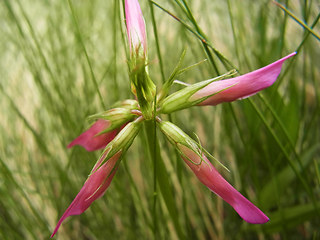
x: 210, y: 177
x: 243, y: 86
x: 91, y: 140
x: 95, y: 186
x: 136, y: 29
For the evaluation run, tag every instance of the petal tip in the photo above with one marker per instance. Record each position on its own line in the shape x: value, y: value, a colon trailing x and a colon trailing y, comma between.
x: 55, y: 231
x: 251, y: 214
x: 289, y: 56
x: 259, y: 220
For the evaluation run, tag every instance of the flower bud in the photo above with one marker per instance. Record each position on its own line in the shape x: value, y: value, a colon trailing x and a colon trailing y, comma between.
x: 136, y: 29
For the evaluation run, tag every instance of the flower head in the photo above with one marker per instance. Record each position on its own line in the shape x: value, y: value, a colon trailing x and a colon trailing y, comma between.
x: 115, y: 129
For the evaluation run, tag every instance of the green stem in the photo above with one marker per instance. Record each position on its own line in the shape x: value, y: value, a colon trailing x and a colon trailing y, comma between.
x: 150, y: 130
x: 162, y: 178
x: 151, y: 135
x: 154, y: 208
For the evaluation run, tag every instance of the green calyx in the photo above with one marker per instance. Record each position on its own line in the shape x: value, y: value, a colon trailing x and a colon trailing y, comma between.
x: 122, y: 141
x: 175, y: 135
x: 128, y: 104
x: 181, y: 140
x: 142, y: 86
x: 182, y: 98
x: 125, y: 137
x: 117, y: 116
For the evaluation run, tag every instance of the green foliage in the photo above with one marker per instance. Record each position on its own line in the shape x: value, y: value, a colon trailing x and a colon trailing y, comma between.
x: 62, y: 61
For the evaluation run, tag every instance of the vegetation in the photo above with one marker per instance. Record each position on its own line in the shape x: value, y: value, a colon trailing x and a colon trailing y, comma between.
x: 64, y: 60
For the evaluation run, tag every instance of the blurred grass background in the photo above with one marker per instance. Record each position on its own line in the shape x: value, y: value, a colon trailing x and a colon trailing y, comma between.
x: 63, y: 60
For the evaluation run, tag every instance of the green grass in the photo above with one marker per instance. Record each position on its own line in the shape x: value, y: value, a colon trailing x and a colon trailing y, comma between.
x: 64, y: 60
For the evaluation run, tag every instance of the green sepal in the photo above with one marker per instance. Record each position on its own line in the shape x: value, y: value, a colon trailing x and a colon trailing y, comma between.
x: 168, y: 83
x: 176, y: 71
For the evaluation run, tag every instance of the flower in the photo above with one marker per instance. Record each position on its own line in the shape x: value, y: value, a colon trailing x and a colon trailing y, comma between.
x: 209, y: 176
x: 136, y: 29
x: 94, y: 187
x: 102, y: 172
x: 241, y: 87
x: 93, y: 139
x: 212, y: 92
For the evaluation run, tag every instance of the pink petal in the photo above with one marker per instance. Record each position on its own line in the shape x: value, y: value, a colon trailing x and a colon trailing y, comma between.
x: 243, y: 86
x: 91, y: 140
x: 210, y: 177
x: 136, y: 29
x: 94, y: 187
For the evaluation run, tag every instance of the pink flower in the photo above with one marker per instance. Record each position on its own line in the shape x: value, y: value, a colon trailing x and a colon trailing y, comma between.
x: 241, y: 87
x: 103, y: 171
x: 210, y: 177
x: 92, y: 140
x: 136, y: 29
x: 94, y: 187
